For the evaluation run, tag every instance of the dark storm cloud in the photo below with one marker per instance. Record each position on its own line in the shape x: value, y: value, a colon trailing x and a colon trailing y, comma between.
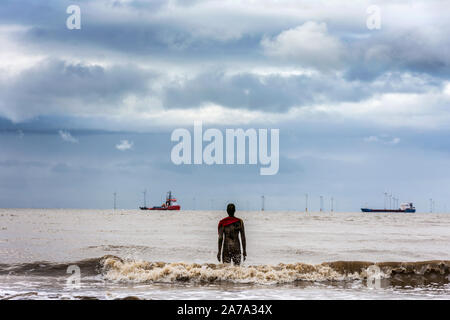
x: 56, y: 86
x: 102, y: 27
x: 411, y: 50
x: 142, y: 39
x: 141, y: 31
x: 249, y: 91
x: 276, y: 93
x: 369, y: 63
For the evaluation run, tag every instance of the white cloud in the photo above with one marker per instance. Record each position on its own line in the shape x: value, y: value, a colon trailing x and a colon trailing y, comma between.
x: 385, y: 139
x: 124, y: 145
x: 308, y: 44
x: 371, y: 139
x: 66, y: 136
x: 394, y: 141
x: 446, y: 90
x: 14, y: 56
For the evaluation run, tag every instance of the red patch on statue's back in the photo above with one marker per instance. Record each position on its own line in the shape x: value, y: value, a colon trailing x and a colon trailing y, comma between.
x: 227, y: 221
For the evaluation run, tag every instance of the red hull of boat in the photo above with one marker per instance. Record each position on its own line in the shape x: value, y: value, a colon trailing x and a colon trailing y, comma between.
x: 162, y: 208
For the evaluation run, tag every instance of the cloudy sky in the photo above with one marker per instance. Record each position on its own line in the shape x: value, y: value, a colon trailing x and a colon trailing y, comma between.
x: 361, y: 111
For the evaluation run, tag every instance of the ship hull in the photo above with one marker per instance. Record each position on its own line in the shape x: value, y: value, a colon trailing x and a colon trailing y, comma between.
x: 388, y: 210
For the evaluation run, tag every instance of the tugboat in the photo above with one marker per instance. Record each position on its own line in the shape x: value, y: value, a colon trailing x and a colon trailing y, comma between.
x: 170, y: 204
x: 404, y: 207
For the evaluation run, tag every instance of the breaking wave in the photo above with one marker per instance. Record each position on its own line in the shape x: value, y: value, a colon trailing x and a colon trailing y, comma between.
x: 409, y: 273
x: 115, y: 269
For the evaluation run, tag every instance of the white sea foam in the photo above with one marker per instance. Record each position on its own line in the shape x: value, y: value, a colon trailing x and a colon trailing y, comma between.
x: 116, y: 269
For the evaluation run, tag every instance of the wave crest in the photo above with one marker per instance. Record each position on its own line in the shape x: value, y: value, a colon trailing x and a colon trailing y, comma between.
x: 116, y: 269
x: 113, y: 268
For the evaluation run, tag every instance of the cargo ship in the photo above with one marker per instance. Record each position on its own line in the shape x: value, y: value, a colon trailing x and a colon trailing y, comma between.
x: 404, y: 207
x: 170, y: 204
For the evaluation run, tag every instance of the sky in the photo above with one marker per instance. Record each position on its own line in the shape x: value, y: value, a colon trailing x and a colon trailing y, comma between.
x: 360, y: 110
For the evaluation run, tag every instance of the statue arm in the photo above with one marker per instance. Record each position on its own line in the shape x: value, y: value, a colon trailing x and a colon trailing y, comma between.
x: 244, y: 242
x: 220, y: 243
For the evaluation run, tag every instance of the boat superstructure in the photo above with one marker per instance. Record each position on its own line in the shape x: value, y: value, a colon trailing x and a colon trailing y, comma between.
x: 170, y: 204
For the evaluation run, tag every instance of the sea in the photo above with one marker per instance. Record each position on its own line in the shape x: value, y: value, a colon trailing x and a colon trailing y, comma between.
x: 132, y: 254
